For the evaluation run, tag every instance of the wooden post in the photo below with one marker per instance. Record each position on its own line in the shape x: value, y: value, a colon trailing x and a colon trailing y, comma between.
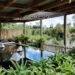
x: 0, y: 30
x: 24, y: 47
x: 24, y: 32
x: 1, y: 58
x: 65, y: 32
x: 41, y: 33
x: 24, y: 28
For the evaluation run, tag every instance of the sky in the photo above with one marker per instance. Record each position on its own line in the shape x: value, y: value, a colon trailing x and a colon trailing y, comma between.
x: 53, y: 21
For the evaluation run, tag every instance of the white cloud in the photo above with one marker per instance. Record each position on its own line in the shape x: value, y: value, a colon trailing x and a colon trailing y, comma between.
x: 69, y: 19
x: 32, y: 22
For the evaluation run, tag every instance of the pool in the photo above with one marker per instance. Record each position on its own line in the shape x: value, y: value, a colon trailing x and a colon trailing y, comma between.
x: 35, y: 54
x: 32, y: 53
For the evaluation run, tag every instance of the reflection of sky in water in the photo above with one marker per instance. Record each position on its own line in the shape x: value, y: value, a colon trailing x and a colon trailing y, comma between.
x: 31, y: 53
x: 35, y: 54
x: 46, y: 54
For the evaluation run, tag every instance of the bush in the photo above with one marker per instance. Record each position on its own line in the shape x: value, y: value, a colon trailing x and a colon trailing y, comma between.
x: 40, y: 42
x: 72, y: 52
x: 55, y: 41
x: 17, y: 39
x: 23, y: 38
x: 58, y: 64
x: 2, y: 71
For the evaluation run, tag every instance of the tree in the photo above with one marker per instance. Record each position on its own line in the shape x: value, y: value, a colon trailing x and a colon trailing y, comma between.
x: 72, y: 31
x: 56, y: 32
x: 73, y: 20
x: 59, y: 31
x: 72, y: 34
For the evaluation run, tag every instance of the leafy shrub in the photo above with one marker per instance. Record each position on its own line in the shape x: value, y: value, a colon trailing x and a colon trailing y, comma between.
x: 23, y: 38
x: 17, y: 39
x: 40, y: 42
x: 55, y: 41
x: 72, y: 52
x: 17, y: 69
x: 58, y: 64
x: 2, y: 71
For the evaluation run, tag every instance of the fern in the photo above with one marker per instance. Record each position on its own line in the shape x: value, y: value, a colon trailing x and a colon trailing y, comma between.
x: 2, y: 71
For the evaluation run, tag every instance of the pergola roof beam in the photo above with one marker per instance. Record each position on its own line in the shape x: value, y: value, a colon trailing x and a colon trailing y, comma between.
x: 31, y: 5
x: 64, y: 7
x: 55, y: 4
x: 11, y: 9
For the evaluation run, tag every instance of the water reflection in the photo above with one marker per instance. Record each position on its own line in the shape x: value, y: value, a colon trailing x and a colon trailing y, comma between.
x: 11, y: 53
x: 19, y: 54
x: 46, y: 54
x: 35, y: 54
x: 6, y: 53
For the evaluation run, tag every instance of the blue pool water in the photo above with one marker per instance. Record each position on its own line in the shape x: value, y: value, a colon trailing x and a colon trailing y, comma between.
x: 35, y: 54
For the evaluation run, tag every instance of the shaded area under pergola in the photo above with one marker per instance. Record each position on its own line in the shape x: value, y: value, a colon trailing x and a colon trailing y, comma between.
x: 29, y: 10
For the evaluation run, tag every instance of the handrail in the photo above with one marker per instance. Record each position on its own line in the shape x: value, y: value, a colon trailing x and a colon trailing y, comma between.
x: 24, y: 45
x: 54, y: 48
x: 57, y: 46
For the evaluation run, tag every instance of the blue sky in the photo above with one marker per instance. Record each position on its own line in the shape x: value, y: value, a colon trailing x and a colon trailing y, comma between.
x: 53, y: 21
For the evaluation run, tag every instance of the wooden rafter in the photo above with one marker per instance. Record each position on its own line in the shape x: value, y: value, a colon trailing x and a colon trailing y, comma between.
x: 68, y: 10
x: 6, y: 4
x: 27, y: 13
x: 35, y: 2
x: 71, y: 11
x: 4, y: 14
x: 10, y: 20
x: 1, y: 8
x: 55, y: 4
x: 10, y: 9
x: 16, y: 12
x: 2, y: 5
x: 64, y: 7
x: 23, y: 6
x: 19, y: 7
x: 9, y: 2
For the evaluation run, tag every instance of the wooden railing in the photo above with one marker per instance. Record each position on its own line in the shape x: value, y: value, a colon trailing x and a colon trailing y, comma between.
x: 54, y: 48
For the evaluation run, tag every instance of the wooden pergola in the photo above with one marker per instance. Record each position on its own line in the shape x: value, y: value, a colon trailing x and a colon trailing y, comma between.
x: 28, y: 10
x: 10, y: 9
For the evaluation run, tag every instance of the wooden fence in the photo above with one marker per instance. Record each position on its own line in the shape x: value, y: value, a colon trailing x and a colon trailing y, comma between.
x: 54, y: 48
x: 10, y: 33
